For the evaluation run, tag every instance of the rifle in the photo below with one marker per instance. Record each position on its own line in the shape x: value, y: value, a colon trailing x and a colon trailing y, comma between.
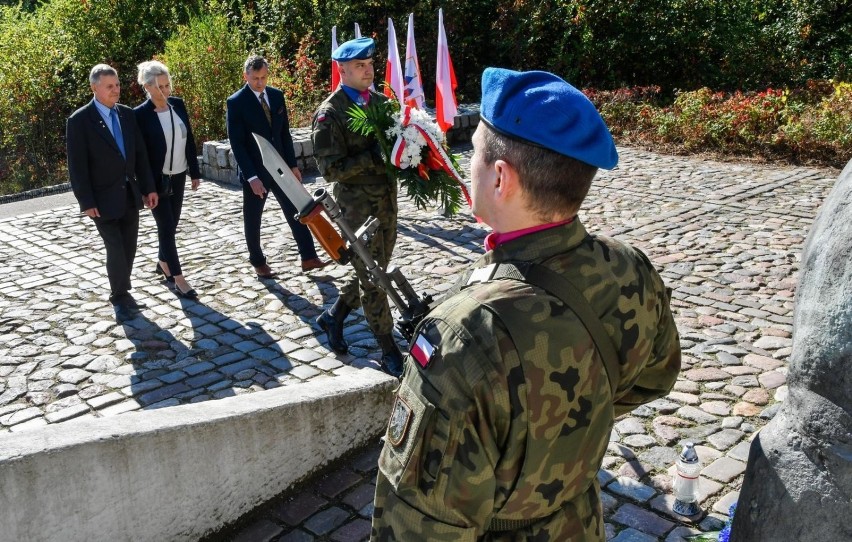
x: 312, y: 210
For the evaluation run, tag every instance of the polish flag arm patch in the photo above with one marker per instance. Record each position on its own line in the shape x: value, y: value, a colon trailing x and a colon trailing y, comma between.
x: 422, y: 350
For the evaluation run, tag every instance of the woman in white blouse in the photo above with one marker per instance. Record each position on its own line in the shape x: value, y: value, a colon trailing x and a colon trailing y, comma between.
x: 164, y: 123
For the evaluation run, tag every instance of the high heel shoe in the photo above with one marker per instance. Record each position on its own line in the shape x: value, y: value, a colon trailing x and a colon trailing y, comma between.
x: 159, y: 271
x: 190, y: 294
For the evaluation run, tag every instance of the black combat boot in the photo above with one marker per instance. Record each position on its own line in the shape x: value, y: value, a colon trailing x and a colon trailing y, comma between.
x: 331, y: 321
x: 392, y: 362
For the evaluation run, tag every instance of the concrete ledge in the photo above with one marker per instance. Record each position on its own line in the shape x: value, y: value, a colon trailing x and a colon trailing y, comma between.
x: 180, y: 473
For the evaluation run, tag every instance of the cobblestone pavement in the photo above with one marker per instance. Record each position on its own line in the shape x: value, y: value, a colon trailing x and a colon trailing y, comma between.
x: 726, y: 236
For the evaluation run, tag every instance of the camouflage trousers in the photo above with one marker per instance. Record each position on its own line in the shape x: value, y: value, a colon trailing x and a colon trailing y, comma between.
x: 358, y: 202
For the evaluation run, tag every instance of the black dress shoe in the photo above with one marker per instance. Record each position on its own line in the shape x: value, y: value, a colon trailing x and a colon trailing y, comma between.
x: 123, y: 312
x: 264, y: 272
x: 126, y: 300
x: 159, y: 271
x: 191, y: 294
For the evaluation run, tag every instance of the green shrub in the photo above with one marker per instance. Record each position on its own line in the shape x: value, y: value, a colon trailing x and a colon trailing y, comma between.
x: 301, y: 83
x: 45, y: 58
x: 32, y: 112
x: 205, y: 58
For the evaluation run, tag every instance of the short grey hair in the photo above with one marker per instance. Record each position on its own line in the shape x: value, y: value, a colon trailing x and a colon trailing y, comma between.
x: 99, y: 71
x: 254, y: 63
x: 148, y: 73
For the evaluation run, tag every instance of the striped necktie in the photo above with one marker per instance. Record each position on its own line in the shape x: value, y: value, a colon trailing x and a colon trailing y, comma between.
x: 265, y: 107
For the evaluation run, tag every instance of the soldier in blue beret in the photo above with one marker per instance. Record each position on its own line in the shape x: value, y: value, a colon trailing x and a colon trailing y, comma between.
x: 363, y: 188
x: 513, y: 381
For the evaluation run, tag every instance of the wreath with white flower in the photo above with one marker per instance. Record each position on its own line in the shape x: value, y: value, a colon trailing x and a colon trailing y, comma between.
x: 415, y: 152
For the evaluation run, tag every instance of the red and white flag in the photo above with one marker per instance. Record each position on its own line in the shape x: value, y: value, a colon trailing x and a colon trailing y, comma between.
x: 335, y: 71
x: 422, y: 351
x: 413, y: 82
x: 446, y: 107
x: 393, y: 68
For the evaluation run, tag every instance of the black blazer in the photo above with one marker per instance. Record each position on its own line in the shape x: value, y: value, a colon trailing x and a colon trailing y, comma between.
x: 244, y: 117
x: 98, y: 173
x: 155, y: 139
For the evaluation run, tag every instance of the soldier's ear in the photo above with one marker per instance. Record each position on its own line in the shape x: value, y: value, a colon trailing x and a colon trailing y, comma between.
x: 507, y: 182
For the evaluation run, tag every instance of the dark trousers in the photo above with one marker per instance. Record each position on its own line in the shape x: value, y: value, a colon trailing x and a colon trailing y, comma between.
x: 120, y: 235
x: 167, y: 215
x: 252, y: 211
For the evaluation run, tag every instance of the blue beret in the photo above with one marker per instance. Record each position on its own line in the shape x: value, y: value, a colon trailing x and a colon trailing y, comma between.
x: 359, y: 49
x: 542, y: 109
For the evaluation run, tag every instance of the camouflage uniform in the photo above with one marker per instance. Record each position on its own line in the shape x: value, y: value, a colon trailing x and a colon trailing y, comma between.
x: 487, y: 430
x: 362, y: 189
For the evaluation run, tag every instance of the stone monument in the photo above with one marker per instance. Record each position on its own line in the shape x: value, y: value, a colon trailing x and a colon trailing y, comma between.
x: 798, y: 484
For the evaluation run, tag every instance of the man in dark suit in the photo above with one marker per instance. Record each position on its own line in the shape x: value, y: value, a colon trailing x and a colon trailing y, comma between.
x: 110, y: 176
x: 257, y: 108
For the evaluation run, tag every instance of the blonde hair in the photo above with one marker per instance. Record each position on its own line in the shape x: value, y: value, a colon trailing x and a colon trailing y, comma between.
x: 149, y: 71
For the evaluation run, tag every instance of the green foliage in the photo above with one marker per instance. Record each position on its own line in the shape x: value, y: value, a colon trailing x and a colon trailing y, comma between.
x: 48, y: 46
x: 205, y: 58
x: 32, y: 112
x: 45, y: 58
x: 810, y: 124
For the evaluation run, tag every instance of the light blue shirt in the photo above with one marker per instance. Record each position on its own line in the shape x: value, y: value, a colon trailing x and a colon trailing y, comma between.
x: 105, y: 114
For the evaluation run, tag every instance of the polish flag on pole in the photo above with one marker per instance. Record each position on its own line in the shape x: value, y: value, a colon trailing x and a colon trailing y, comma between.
x: 446, y: 107
x: 357, y: 31
x: 413, y: 82
x: 393, y: 68
x: 335, y: 72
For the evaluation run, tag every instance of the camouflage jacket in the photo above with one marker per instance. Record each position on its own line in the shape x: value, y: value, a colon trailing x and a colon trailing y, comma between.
x: 342, y: 155
x: 487, y: 434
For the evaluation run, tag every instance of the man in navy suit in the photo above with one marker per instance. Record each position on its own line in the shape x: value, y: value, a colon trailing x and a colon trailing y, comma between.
x: 258, y: 108
x: 111, y: 179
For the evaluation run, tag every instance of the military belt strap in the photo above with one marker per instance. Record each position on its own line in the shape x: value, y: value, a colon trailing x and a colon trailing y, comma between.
x: 552, y: 282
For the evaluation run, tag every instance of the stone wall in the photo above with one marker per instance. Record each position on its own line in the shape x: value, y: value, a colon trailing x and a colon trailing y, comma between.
x: 218, y: 162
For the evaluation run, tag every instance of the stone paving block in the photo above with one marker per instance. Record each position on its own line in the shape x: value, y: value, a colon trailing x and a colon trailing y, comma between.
x: 326, y: 521
x: 771, y: 379
x: 34, y: 423
x: 696, y: 415
x: 725, y: 438
x: 724, y: 469
x: 356, y: 530
x: 679, y: 534
x: 740, y: 451
x: 304, y: 372
x: 633, y: 469
x: 368, y: 460
x: 642, y: 520
x: 163, y: 393
x: 67, y: 413
x: 296, y: 510
x: 120, y: 408
x: 361, y: 496
x: 20, y: 416
x: 337, y: 482
x: 630, y: 488
x: 262, y: 530
x: 234, y: 368
x: 723, y: 505
x: 630, y: 426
